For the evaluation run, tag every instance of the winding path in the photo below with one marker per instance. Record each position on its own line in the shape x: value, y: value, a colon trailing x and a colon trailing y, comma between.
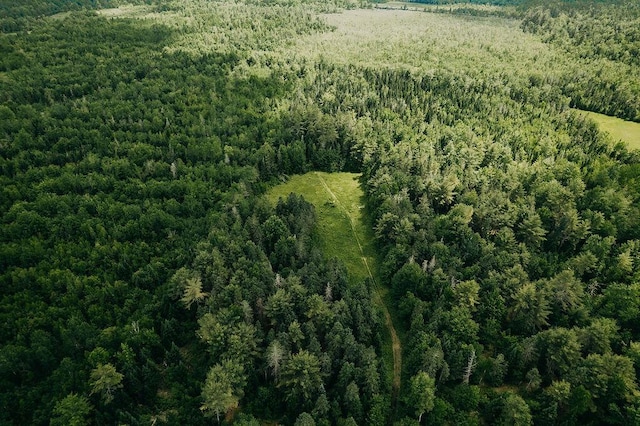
x: 377, y: 295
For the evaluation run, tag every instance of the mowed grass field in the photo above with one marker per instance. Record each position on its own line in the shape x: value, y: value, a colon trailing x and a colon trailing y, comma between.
x: 345, y: 233
x: 338, y: 200
x: 618, y: 129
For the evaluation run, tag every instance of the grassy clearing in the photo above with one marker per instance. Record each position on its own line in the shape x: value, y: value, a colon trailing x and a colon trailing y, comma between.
x: 334, y: 225
x: 344, y: 233
x: 59, y: 16
x: 170, y: 18
x: 626, y: 131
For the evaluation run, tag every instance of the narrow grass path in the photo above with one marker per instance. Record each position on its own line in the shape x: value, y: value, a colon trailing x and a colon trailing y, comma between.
x: 338, y: 200
x: 377, y: 297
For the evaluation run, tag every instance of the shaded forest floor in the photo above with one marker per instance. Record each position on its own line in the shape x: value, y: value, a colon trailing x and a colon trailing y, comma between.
x: 343, y: 230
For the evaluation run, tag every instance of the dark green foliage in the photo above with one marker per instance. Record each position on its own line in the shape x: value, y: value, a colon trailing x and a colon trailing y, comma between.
x: 503, y: 251
x: 144, y: 279
x: 114, y: 170
x: 72, y: 410
x: 305, y: 339
x: 121, y: 160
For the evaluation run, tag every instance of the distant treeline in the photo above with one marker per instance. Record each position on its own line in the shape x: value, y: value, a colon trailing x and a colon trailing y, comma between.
x: 525, y: 3
x: 15, y: 15
x: 494, y: 2
x: 605, y: 36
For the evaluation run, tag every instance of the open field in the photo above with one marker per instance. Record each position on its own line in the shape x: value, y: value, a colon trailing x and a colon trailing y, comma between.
x: 343, y: 231
x: 334, y: 224
x: 626, y: 131
x: 125, y: 11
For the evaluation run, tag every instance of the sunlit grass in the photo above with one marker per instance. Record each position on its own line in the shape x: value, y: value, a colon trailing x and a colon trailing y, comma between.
x: 344, y: 233
x: 59, y: 16
x: 146, y: 13
x: 334, y: 225
x: 618, y: 129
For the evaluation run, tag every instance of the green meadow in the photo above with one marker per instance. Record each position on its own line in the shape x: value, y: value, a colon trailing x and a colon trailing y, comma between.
x: 337, y: 198
x: 344, y: 233
x: 618, y: 129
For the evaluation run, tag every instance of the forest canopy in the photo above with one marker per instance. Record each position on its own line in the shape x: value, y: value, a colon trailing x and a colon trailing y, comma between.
x: 146, y: 278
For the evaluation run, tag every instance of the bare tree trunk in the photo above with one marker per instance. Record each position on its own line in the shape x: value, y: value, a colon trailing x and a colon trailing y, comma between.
x: 471, y: 364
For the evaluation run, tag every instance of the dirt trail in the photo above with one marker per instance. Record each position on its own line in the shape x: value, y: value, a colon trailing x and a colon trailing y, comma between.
x: 377, y: 295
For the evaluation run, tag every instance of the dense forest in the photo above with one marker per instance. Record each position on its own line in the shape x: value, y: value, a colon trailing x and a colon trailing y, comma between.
x: 146, y: 278
x: 604, y: 37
